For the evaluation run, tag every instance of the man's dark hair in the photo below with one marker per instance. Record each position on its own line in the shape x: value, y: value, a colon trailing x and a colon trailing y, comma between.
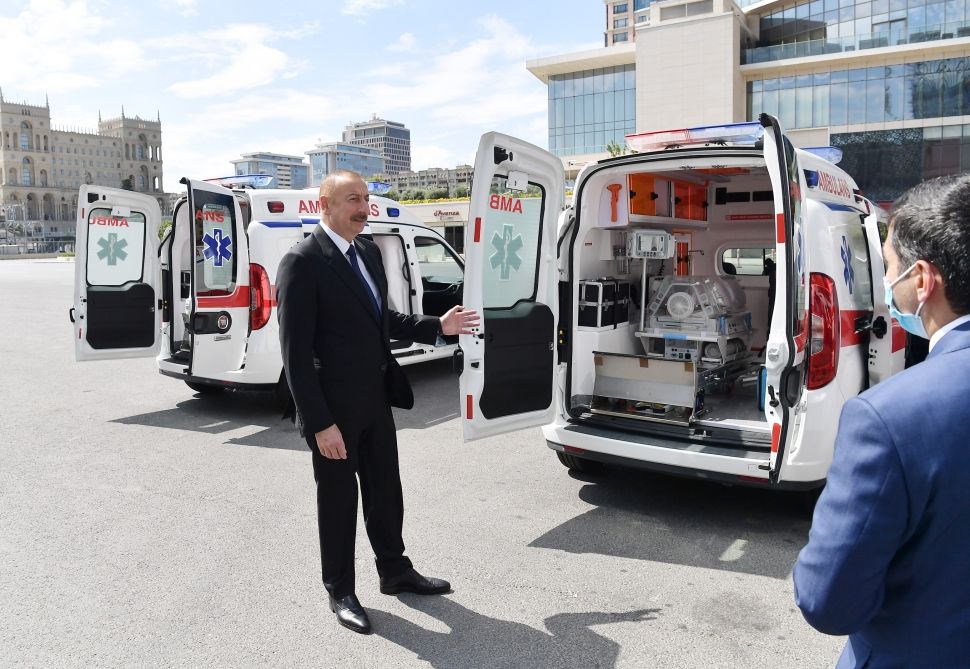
x: 931, y: 222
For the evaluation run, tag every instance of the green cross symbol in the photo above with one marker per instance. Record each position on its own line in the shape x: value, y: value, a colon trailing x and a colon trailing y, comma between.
x: 506, y: 255
x: 112, y: 248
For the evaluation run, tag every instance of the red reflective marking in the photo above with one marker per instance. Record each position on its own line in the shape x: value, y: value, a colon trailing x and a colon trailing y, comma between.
x: 79, y: 333
x: 238, y: 298
x: 847, y: 326
x: 899, y: 336
x: 468, y: 407
x: 775, y: 437
x: 573, y: 449
x: 478, y: 229
x: 752, y: 479
x: 82, y: 212
x: 800, y: 341
x: 780, y: 224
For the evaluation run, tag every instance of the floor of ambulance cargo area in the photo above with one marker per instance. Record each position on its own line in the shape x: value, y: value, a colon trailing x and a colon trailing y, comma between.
x: 739, y: 409
x: 143, y: 524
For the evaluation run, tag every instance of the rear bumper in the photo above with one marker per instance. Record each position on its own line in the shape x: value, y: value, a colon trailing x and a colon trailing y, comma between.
x: 176, y: 370
x: 734, y: 466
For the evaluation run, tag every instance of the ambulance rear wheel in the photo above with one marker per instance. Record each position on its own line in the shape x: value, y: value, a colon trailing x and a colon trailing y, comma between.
x: 581, y: 465
x: 204, y: 388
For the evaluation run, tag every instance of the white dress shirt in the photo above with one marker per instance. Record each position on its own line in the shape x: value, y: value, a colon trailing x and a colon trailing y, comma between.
x: 939, y: 334
x: 344, y: 245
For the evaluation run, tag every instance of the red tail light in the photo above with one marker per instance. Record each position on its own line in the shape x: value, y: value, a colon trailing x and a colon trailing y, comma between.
x: 823, y: 361
x: 275, y: 207
x: 260, y: 299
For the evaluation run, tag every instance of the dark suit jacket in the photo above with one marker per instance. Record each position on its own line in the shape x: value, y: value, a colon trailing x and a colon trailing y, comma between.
x: 888, y: 556
x: 335, y: 351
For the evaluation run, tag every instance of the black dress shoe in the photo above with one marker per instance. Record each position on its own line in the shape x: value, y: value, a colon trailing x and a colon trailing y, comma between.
x: 350, y: 613
x: 412, y: 581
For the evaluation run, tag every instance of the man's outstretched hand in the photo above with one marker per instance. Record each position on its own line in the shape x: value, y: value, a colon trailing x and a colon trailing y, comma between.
x: 459, y: 320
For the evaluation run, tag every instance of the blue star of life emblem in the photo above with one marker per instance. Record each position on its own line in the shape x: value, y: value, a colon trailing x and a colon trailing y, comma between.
x: 217, y: 246
x: 112, y: 248
x: 506, y: 256
x: 847, y: 273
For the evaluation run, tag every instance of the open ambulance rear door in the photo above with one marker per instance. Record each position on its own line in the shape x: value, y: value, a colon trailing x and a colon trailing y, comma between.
x: 220, y: 308
x: 786, y: 357
x: 887, y: 341
x: 117, y: 277
x: 511, y: 280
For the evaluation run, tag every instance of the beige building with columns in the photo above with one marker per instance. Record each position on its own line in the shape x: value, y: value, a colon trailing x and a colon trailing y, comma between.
x: 42, y: 166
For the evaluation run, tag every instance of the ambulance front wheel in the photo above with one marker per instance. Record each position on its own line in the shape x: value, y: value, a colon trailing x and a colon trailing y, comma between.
x: 581, y: 465
x: 204, y: 388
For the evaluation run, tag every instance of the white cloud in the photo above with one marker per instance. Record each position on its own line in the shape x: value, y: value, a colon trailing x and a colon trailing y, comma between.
x: 187, y: 7
x: 50, y: 41
x: 237, y: 57
x: 477, y: 84
x: 206, y: 139
x: 404, y: 44
x: 363, y: 7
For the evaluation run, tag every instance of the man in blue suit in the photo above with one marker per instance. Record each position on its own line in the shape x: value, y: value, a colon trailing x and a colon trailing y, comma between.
x: 888, y: 556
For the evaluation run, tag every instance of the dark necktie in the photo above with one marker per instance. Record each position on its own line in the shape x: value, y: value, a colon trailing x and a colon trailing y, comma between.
x: 352, y: 255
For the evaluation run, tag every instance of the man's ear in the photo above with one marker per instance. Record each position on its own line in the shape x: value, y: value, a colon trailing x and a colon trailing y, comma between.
x: 928, y: 281
x: 324, y: 203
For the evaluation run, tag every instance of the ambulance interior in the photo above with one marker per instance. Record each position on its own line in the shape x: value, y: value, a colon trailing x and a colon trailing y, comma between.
x: 672, y: 268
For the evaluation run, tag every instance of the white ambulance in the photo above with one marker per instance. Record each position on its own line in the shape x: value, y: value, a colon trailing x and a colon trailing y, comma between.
x: 203, y: 300
x: 636, y: 325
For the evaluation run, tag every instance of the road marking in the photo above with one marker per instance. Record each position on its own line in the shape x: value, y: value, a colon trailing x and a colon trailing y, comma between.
x: 734, y: 552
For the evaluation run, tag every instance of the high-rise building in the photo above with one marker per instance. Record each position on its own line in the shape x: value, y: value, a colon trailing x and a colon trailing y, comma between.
x: 622, y: 19
x: 887, y: 81
x: 289, y: 171
x: 392, y: 139
x: 332, y: 156
x: 42, y: 166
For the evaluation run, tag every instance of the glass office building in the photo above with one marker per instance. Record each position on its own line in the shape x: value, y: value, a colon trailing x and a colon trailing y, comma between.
x: 896, y: 112
x: 288, y: 171
x: 591, y: 109
x: 887, y: 81
x: 327, y: 158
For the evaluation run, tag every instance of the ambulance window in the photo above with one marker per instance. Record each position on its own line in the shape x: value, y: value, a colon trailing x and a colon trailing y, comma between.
x: 511, y: 232
x: 215, y: 235
x: 854, y: 257
x: 116, y: 248
x: 747, y: 261
x: 437, y: 263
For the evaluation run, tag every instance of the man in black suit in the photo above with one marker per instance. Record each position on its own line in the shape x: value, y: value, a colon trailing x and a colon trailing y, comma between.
x: 335, y: 327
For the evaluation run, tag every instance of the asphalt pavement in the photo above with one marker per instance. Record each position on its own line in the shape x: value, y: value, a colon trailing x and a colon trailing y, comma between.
x: 144, y: 525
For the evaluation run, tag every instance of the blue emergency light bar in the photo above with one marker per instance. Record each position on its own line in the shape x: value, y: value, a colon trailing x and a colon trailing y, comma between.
x: 731, y: 134
x: 244, y: 181
x: 378, y: 187
x: 829, y: 153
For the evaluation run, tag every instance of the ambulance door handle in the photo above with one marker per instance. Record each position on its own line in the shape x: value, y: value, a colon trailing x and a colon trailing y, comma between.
x: 458, y: 361
x: 70, y: 314
x: 771, y: 393
x: 879, y: 327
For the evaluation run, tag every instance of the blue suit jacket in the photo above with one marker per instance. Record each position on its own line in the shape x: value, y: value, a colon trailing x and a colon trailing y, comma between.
x: 888, y: 555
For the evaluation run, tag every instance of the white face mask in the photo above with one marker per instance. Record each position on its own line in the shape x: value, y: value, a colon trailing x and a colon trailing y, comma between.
x: 912, y: 323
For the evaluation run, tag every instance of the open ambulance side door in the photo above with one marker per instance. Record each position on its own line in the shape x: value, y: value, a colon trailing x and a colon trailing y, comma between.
x: 117, y: 278
x: 887, y: 341
x: 511, y: 280
x: 220, y: 298
x: 786, y: 357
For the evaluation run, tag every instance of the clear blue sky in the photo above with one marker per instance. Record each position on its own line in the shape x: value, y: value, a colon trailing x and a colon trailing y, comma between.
x: 235, y: 77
